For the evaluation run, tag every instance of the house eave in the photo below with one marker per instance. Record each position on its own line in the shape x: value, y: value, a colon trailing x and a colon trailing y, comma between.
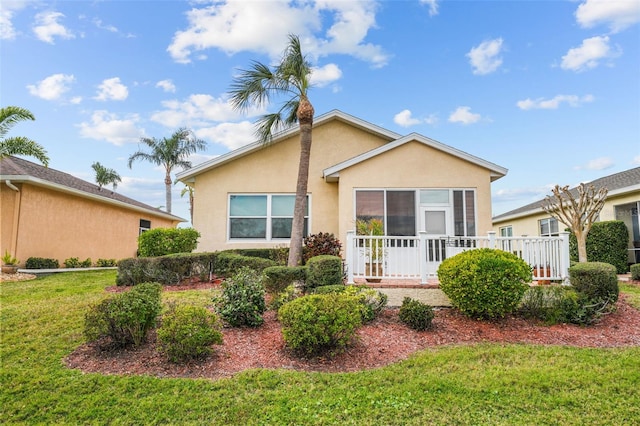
x: 106, y: 200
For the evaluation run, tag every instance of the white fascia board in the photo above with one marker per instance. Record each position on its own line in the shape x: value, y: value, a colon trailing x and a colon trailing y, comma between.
x: 188, y: 175
x: 332, y: 173
x: 62, y: 188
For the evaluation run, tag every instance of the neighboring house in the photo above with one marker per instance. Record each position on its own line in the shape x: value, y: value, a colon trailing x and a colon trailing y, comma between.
x: 50, y: 214
x: 358, y: 171
x: 623, y: 203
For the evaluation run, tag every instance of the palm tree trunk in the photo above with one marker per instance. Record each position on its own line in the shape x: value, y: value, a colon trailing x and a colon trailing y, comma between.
x: 167, y: 184
x: 305, y: 118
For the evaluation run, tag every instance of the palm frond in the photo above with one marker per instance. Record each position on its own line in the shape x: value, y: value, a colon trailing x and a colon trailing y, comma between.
x: 11, y: 115
x: 20, y: 145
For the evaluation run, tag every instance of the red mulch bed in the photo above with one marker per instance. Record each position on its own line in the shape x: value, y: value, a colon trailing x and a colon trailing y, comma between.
x: 384, y: 341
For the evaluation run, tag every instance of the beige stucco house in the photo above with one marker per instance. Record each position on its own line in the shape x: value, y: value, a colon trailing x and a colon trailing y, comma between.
x: 623, y: 203
x: 358, y: 171
x: 50, y: 214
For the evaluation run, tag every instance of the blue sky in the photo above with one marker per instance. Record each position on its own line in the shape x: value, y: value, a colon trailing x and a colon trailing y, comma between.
x: 548, y: 89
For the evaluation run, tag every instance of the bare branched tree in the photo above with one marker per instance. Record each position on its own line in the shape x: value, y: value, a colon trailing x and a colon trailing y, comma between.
x: 577, y: 209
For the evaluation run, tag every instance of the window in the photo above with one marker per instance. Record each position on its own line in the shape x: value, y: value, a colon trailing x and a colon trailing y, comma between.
x: 145, y: 225
x: 464, y: 214
x: 506, y: 231
x: 548, y: 227
x: 262, y: 217
x: 401, y: 213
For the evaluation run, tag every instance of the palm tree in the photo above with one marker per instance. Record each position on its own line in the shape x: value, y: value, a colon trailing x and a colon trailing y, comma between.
x: 256, y: 86
x: 170, y: 153
x: 189, y: 190
x: 18, y: 145
x: 105, y: 176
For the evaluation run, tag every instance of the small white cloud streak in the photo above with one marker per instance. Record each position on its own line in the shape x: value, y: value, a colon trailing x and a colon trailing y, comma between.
x: 588, y: 55
x: 167, y: 85
x: 231, y: 135
x: 322, y: 76
x: 464, y: 116
x: 433, y: 6
x: 404, y: 119
x: 636, y: 160
x: 109, y: 127
x: 485, y: 58
x: 112, y: 89
x: 597, y: 164
x: 554, y: 103
x: 53, y: 87
x: 617, y: 14
x: 47, y: 27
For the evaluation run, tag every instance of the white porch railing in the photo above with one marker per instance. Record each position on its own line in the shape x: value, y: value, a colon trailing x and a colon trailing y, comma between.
x: 374, y: 257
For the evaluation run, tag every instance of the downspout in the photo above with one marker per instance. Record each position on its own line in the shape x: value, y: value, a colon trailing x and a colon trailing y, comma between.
x: 16, y: 218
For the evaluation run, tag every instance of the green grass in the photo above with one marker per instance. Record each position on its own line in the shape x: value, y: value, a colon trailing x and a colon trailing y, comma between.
x: 494, y: 384
x: 634, y: 294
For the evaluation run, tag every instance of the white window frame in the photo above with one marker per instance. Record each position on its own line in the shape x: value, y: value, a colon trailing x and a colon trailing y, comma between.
x: 506, y: 231
x: 268, y: 217
x: 548, y: 220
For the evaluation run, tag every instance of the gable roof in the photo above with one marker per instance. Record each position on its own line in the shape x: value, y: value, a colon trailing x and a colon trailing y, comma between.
x: 188, y: 174
x: 616, y: 184
x: 332, y: 173
x: 14, y: 169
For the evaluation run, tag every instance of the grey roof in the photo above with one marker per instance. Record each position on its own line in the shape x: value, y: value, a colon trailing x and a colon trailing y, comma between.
x: 614, y: 183
x: 19, y: 170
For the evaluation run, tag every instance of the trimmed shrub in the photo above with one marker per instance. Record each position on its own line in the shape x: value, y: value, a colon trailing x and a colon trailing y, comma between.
x: 125, y: 318
x: 227, y: 263
x: 106, y: 263
x: 606, y: 242
x: 187, y: 332
x: 598, y: 281
x: 277, y: 278
x: 415, y: 314
x: 41, y: 263
x: 168, y: 270
x: 551, y: 304
x: 320, y: 323
x: 635, y: 272
x: 242, y: 299
x: 484, y: 283
x: 324, y: 270
x: 287, y: 295
x: 162, y: 241
x: 372, y: 302
x: 319, y: 244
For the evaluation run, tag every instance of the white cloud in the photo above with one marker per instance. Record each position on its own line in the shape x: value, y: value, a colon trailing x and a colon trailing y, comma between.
x: 433, y: 6
x: 464, y: 115
x: 232, y: 27
x: 485, y: 58
x: 197, y: 110
x: 404, y: 119
x: 588, y: 54
x: 617, y: 14
x: 322, y: 76
x: 167, y: 86
x: 597, y: 164
x: 112, y: 89
x: 108, y: 126
x: 636, y: 160
x: 7, y: 11
x: 47, y: 27
x: 555, y: 102
x: 52, y: 87
x: 111, y: 28
x: 231, y: 135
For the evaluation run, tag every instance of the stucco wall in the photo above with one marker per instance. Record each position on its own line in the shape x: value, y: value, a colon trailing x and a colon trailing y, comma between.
x: 58, y: 225
x: 275, y: 170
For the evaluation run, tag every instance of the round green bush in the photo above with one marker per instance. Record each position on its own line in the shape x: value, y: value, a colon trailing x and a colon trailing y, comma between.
x: 324, y: 270
x: 415, y: 314
x: 598, y: 281
x: 372, y: 302
x: 484, y: 283
x: 320, y: 323
x: 187, y: 332
x: 242, y: 299
x: 551, y: 304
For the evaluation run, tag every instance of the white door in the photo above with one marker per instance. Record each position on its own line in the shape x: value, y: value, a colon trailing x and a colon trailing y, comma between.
x: 437, y: 223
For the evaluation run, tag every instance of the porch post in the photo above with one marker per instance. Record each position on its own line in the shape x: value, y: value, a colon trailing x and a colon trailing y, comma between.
x: 564, y: 257
x: 349, y: 256
x: 422, y: 257
x: 492, y: 239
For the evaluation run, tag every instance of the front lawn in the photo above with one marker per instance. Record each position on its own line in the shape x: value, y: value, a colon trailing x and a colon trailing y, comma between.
x: 41, y: 324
